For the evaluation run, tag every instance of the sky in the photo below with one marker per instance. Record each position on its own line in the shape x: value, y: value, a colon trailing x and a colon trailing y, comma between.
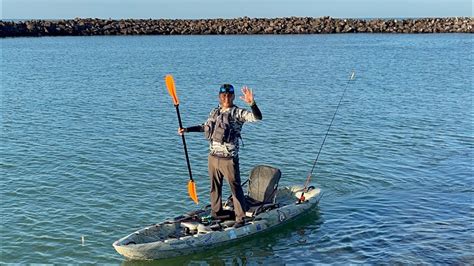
x: 194, y: 9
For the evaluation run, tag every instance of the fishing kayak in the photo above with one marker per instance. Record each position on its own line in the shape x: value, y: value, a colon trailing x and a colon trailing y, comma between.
x: 196, y: 231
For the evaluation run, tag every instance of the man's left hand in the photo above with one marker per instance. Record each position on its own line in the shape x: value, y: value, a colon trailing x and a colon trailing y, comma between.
x: 247, y: 95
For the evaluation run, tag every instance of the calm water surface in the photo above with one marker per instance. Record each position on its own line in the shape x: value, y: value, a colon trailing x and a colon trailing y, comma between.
x: 89, y: 145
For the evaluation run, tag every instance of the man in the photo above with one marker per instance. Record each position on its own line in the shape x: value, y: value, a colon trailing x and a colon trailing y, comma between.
x: 222, y: 129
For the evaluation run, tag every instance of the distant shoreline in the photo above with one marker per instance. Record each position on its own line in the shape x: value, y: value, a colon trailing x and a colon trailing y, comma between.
x: 236, y: 26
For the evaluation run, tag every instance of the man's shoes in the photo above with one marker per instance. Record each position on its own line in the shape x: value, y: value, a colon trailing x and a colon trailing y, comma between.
x: 214, y: 215
x: 239, y: 224
x: 223, y: 215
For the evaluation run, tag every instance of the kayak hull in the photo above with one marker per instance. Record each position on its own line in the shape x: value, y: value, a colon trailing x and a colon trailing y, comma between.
x: 166, y: 240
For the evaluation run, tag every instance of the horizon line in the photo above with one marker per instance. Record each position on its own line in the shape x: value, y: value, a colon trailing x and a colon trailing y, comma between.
x: 228, y: 18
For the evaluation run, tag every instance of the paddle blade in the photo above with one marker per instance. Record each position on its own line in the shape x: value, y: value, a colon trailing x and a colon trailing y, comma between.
x: 192, y: 191
x: 171, y: 88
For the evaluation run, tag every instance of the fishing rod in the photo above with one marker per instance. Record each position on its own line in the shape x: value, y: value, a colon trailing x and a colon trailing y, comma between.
x: 301, y: 199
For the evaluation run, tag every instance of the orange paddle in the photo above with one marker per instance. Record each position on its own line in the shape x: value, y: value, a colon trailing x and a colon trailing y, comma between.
x: 172, y: 91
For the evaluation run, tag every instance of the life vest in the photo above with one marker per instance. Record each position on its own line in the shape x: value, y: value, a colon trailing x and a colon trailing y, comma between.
x: 219, y: 126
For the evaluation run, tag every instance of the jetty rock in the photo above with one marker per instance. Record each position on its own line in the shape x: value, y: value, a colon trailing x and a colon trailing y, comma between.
x: 242, y: 25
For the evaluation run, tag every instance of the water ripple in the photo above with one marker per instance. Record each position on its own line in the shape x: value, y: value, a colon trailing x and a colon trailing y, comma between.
x: 89, y: 149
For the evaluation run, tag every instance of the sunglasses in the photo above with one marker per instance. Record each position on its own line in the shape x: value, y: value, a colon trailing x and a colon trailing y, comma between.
x: 226, y: 88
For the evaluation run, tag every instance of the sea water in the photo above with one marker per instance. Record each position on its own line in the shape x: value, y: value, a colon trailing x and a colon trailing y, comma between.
x: 90, y: 153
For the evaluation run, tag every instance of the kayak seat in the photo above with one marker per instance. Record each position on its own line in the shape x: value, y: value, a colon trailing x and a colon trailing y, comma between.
x: 263, y: 183
x: 261, y: 190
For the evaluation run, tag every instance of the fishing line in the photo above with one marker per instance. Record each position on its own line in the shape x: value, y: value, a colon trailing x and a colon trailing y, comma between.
x: 324, y: 140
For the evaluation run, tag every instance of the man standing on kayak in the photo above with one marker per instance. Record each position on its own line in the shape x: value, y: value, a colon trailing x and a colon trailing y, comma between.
x: 223, y: 130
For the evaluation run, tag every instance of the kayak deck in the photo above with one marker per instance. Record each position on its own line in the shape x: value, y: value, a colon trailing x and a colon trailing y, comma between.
x: 197, y: 231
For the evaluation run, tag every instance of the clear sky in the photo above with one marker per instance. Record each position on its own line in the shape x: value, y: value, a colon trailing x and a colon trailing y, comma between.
x: 56, y: 9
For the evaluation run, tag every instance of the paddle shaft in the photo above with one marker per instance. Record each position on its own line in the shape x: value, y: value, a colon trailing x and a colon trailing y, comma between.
x: 184, y: 144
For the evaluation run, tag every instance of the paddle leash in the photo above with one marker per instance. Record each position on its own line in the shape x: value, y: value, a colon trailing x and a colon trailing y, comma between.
x: 302, y: 198
x: 172, y: 91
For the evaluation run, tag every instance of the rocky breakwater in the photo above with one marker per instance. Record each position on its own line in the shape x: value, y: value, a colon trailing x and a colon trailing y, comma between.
x: 245, y: 25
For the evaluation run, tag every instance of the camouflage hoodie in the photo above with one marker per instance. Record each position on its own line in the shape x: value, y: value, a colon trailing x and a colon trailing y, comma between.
x: 236, y: 118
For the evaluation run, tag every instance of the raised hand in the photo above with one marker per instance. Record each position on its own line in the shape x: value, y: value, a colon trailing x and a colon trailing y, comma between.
x: 247, y: 95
